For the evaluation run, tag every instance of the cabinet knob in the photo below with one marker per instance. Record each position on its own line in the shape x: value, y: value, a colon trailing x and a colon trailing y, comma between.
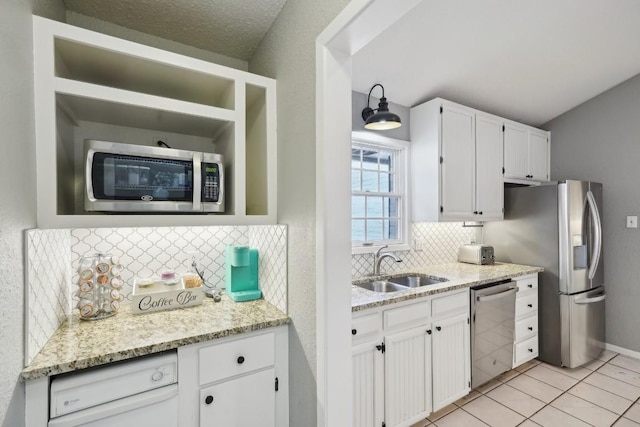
x: 429, y: 331
x: 480, y: 213
x: 354, y: 331
x: 530, y: 328
x: 208, y: 400
x: 530, y: 305
x: 240, y: 360
x: 530, y: 285
x: 530, y: 350
x: 438, y: 328
x: 475, y: 212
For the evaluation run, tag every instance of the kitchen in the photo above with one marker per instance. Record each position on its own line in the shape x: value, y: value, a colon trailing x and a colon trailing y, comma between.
x: 297, y: 211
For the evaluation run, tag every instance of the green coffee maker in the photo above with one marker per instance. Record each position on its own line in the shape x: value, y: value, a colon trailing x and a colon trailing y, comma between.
x: 241, y: 273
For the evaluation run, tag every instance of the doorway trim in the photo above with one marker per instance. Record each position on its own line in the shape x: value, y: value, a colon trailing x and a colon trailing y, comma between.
x: 358, y: 24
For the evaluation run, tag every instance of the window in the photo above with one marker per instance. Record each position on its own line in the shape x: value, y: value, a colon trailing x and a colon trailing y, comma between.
x: 378, y: 192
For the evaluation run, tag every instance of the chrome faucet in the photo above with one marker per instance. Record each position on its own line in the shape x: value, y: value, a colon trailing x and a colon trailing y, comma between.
x: 379, y: 256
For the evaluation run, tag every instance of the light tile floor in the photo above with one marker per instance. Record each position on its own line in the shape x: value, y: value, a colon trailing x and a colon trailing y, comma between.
x: 603, y: 393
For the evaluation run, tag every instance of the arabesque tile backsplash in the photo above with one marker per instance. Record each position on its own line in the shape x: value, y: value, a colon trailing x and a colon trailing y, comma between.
x: 53, y: 257
x: 439, y: 241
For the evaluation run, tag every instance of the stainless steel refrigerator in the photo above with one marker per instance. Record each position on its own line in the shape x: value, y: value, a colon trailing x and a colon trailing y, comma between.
x: 558, y: 226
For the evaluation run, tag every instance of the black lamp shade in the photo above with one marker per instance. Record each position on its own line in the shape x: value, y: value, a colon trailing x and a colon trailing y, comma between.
x: 382, y: 119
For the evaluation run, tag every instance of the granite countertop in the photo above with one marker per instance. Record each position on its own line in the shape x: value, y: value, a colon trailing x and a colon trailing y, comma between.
x: 459, y: 276
x: 80, y: 344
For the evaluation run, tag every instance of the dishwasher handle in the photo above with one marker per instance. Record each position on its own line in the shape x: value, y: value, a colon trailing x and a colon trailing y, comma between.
x: 485, y: 298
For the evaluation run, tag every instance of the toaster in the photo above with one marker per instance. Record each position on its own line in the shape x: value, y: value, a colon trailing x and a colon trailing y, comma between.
x: 476, y: 254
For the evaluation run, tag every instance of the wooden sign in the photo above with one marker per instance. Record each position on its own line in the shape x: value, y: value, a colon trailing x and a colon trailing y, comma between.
x: 166, y: 300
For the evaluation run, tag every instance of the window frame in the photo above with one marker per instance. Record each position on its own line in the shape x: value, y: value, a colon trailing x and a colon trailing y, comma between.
x: 403, y: 243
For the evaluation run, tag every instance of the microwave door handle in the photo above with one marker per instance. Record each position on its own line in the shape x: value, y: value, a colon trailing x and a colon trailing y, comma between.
x: 597, y: 240
x: 197, y: 181
x: 88, y: 175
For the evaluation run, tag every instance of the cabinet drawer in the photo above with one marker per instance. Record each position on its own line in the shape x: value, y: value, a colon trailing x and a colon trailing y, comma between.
x: 450, y: 305
x: 226, y: 360
x: 526, y: 350
x: 365, y: 326
x: 526, y: 305
x: 527, y: 284
x: 526, y: 327
x: 409, y: 314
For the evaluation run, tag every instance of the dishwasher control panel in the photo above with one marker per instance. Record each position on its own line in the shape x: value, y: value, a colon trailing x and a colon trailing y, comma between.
x: 75, y: 392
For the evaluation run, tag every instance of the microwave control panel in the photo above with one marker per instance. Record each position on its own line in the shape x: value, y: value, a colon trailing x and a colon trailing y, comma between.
x: 210, y: 182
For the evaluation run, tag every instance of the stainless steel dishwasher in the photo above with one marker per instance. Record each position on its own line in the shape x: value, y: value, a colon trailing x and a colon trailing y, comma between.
x: 493, y: 307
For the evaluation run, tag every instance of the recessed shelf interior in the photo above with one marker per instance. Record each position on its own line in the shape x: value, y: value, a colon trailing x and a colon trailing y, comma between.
x: 101, y: 111
x: 114, y: 90
x: 90, y: 64
x: 78, y: 119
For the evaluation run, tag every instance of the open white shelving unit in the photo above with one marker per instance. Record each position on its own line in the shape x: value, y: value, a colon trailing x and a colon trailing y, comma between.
x: 93, y: 86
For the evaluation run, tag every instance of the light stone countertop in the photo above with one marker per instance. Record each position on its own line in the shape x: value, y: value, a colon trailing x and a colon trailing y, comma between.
x: 80, y: 344
x: 459, y: 276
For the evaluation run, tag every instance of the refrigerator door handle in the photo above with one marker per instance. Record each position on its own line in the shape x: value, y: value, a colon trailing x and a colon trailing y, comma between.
x: 597, y: 240
x: 590, y: 300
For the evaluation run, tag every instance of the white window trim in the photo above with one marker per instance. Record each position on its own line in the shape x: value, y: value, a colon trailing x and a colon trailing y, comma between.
x: 404, y: 150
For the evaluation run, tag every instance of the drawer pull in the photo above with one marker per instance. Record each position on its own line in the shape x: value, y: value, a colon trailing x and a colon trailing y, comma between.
x: 529, y: 286
x: 240, y: 360
x: 530, y: 328
x: 530, y: 350
x: 354, y: 331
x: 438, y: 328
x: 429, y: 331
x: 208, y: 400
x: 530, y: 305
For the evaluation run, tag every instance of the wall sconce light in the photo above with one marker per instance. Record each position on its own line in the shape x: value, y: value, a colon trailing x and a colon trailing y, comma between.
x: 380, y: 118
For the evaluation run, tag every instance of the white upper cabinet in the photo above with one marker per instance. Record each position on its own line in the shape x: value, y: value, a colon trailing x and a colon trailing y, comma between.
x: 89, y: 85
x: 489, y: 183
x: 456, y: 163
x: 526, y: 153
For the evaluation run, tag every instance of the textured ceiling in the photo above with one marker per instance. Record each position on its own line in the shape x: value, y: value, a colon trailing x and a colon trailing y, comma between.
x: 229, y: 27
x: 529, y: 61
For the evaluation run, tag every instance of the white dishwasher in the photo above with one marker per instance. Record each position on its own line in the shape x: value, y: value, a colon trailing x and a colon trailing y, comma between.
x: 138, y: 393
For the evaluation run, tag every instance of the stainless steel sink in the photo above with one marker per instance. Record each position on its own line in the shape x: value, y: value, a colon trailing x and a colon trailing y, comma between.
x: 415, y: 281
x: 382, y: 286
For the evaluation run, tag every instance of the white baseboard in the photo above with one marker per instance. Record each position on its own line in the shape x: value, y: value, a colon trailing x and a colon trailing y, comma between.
x: 622, y: 350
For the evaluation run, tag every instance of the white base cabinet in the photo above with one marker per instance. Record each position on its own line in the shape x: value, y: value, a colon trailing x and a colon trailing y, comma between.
x: 245, y: 401
x: 368, y: 384
x: 410, y: 359
x: 407, y: 385
x: 525, y: 346
x: 451, y: 360
x: 237, y: 381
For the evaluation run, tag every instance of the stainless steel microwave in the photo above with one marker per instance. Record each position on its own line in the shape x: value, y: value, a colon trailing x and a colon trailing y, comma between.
x: 135, y: 178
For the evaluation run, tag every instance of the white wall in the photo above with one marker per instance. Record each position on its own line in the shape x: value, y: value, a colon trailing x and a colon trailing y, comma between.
x: 600, y: 141
x: 17, y: 195
x: 287, y: 53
